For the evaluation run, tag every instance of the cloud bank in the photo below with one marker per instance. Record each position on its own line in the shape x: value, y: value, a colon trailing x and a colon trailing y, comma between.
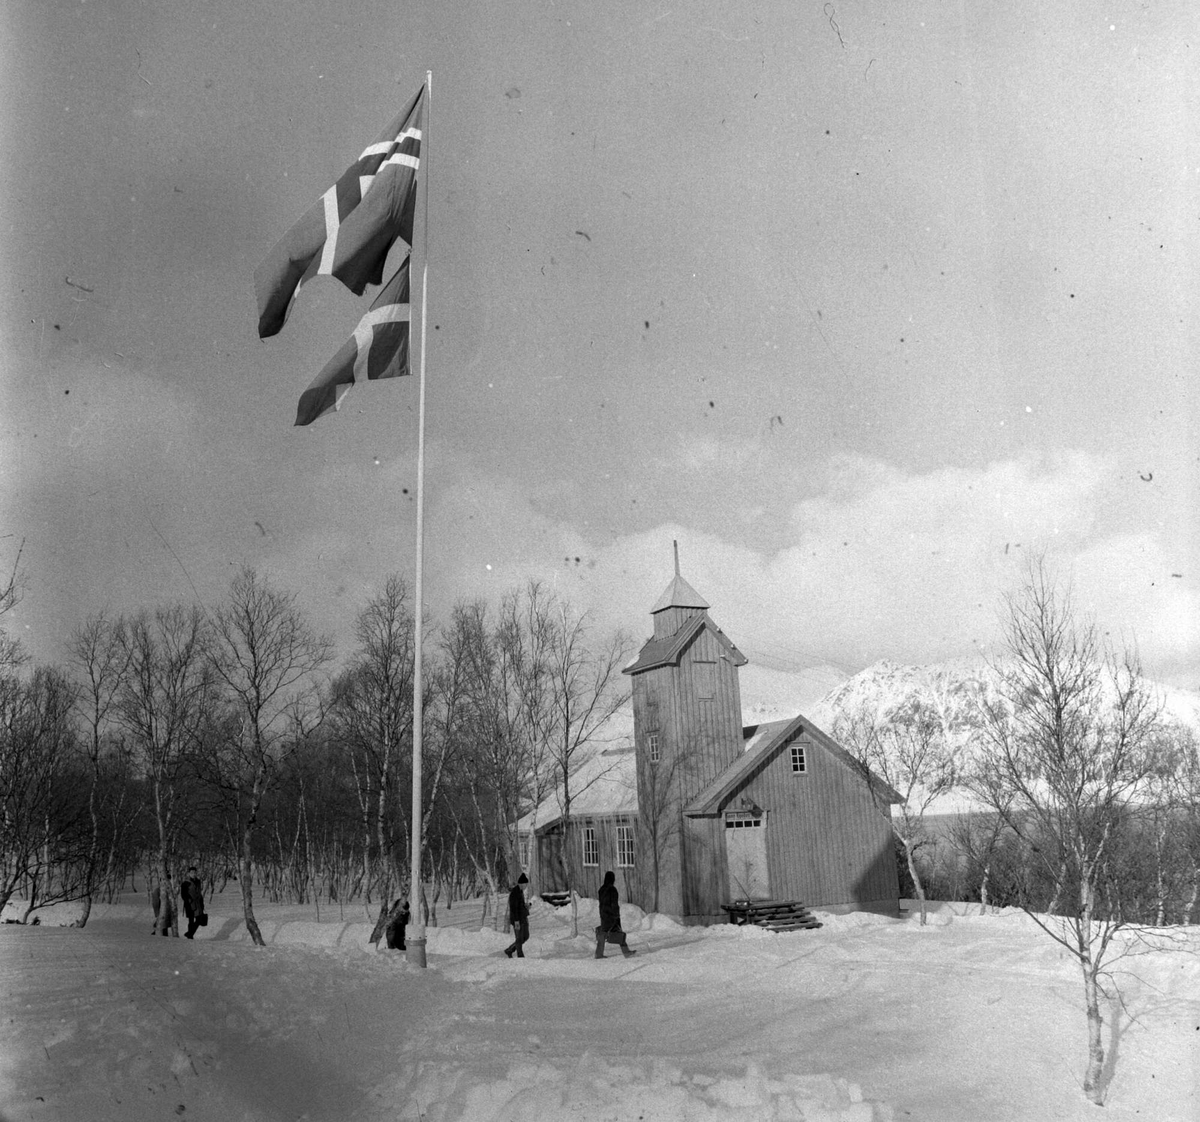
x: 881, y: 563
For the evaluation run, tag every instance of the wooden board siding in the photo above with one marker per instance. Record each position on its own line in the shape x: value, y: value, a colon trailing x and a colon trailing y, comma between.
x: 670, y: 620
x: 698, y: 738
x: 705, y: 733
x: 828, y: 841
x: 703, y: 868
x: 588, y: 878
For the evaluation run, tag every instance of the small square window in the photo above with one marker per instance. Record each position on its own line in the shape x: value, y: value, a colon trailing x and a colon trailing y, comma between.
x: 624, y: 847
x: 591, y: 857
x: 799, y: 763
x: 653, y: 744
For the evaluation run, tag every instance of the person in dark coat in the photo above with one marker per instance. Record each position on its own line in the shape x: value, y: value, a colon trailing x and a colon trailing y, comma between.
x: 397, y: 922
x: 193, y: 902
x: 518, y: 916
x: 610, y: 918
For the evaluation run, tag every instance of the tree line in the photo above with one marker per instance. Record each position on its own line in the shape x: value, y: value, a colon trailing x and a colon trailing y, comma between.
x: 227, y: 738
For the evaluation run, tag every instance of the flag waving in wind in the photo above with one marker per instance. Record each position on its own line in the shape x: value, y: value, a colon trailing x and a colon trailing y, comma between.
x: 377, y: 349
x: 347, y: 233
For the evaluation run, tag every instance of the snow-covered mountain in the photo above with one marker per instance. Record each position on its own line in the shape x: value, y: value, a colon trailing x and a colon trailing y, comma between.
x: 887, y: 690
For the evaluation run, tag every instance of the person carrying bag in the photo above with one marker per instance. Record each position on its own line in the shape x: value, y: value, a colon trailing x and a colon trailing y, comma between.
x: 610, y: 918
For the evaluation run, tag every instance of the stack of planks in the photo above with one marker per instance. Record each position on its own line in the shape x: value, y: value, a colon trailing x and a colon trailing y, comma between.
x: 775, y: 915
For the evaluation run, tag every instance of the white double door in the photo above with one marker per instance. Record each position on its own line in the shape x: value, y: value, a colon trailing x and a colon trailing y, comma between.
x: 746, y: 854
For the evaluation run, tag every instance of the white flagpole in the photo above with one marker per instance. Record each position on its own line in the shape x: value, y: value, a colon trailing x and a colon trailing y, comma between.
x: 415, y: 935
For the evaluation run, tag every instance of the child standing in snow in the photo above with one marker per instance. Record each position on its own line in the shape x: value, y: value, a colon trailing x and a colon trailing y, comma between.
x: 518, y: 916
x: 610, y: 918
x: 193, y: 902
x: 397, y: 922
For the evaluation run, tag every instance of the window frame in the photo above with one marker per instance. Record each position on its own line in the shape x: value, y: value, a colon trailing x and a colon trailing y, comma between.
x: 799, y: 757
x: 588, y: 837
x: 744, y: 820
x: 653, y: 747
x: 626, y: 846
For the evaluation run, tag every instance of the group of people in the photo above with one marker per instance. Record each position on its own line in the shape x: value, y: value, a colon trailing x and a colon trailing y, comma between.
x: 608, y: 931
x: 192, y: 892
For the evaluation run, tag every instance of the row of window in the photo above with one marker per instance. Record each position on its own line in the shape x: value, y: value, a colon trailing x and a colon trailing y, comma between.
x: 799, y: 763
x: 625, y: 847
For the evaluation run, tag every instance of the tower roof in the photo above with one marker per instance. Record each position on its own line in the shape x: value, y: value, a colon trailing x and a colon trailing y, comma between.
x: 679, y: 594
x: 666, y: 651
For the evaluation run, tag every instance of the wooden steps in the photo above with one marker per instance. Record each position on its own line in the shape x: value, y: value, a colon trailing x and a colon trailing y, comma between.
x: 774, y: 915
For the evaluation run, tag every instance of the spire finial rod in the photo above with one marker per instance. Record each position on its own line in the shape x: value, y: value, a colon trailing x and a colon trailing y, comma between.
x: 675, y: 546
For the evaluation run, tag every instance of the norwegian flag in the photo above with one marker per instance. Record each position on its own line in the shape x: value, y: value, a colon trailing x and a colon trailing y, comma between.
x: 347, y: 233
x: 377, y: 349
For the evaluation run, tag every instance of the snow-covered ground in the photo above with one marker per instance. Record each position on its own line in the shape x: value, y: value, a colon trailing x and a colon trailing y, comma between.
x: 970, y: 1019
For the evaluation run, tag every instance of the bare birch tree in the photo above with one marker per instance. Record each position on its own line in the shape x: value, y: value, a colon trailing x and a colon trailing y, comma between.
x: 911, y: 754
x: 1064, y: 755
x: 100, y: 657
x: 36, y: 817
x: 584, y: 692
x: 162, y: 704
x: 263, y: 653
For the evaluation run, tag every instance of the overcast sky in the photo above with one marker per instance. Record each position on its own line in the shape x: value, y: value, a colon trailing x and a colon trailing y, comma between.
x: 861, y: 302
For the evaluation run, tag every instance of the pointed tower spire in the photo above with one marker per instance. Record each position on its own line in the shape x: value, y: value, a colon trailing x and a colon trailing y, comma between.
x: 678, y: 603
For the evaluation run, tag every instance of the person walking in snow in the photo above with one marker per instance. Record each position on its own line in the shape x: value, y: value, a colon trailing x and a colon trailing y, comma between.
x: 394, y: 932
x: 610, y: 918
x: 193, y: 902
x: 518, y: 916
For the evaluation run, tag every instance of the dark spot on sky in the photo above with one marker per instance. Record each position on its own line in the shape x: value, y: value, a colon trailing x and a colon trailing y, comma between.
x: 647, y: 322
x: 712, y: 405
x: 67, y: 392
x: 404, y: 490
x: 58, y: 327
x: 584, y: 234
x: 512, y: 92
